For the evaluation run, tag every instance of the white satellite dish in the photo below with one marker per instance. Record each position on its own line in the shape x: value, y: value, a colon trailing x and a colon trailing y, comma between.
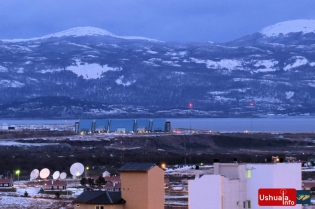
x: 56, y: 175
x: 63, y: 175
x: 34, y: 174
x: 44, y: 173
x: 76, y: 169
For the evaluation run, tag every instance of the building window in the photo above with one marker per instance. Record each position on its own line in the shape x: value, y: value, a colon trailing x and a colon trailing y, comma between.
x: 77, y: 205
x: 249, y: 173
x: 248, y: 204
x: 244, y: 204
x: 99, y: 207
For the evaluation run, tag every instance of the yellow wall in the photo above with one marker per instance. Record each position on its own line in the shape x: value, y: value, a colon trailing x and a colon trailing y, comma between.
x: 90, y: 206
x: 134, y: 189
x: 156, y: 188
x: 143, y: 190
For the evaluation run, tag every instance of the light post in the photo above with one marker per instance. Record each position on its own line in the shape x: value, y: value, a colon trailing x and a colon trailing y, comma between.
x: 190, y: 105
x: 251, y: 118
x: 17, y: 172
x: 86, y: 171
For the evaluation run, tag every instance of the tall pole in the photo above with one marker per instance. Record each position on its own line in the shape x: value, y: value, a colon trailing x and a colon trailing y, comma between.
x: 86, y: 171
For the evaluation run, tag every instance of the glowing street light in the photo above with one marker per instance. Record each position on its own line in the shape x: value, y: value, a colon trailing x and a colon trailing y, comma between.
x: 86, y: 171
x: 17, y: 172
x: 163, y: 165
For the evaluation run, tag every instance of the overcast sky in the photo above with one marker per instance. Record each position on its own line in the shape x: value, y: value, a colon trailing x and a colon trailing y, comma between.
x: 166, y: 20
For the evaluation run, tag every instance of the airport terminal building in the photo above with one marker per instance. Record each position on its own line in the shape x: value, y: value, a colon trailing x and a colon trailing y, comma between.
x: 122, y: 126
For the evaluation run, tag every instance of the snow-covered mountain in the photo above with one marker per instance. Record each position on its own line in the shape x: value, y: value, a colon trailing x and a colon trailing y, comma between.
x: 80, y: 32
x: 90, y: 72
x: 295, y: 32
x: 285, y: 28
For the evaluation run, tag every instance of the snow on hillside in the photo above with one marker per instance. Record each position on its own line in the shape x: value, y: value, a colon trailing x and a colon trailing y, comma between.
x: 229, y: 64
x: 294, y: 26
x: 90, y: 71
x: 3, y: 69
x: 265, y: 66
x: 120, y: 81
x: 298, y: 61
x: 10, y: 83
x: 81, y: 31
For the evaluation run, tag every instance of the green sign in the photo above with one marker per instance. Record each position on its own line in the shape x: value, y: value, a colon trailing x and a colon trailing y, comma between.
x: 303, y: 197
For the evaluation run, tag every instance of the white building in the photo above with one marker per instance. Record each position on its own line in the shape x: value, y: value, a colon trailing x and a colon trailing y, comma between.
x: 235, y: 186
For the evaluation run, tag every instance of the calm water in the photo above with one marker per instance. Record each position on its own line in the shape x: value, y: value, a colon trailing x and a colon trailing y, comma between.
x: 270, y: 124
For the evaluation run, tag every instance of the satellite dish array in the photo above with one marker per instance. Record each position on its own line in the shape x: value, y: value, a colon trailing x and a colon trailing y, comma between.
x: 76, y: 170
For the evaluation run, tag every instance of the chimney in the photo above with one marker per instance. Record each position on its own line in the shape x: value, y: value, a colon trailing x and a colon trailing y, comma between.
x: 197, y: 172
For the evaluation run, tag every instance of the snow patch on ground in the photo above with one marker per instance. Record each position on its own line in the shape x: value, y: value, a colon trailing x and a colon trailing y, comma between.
x: 50, y: 70
x: 267, y: 64
x: 90, y: 71
x: 289, y: 94
x: 79, y: 45
x: 12, y: 84
x: 230, y: 64
x: 12, y: 143
x: 181, y: 53
x: 151, y: 52
x: 120, y: 81
x: 151, y: 63
x: 299, y: 61
x: 20, y: 70
x: 3, y: 69
x: 223, y: 99
x: 171, y: 63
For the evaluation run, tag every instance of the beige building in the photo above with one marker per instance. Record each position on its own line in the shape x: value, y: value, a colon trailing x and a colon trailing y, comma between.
x: 142, y: 186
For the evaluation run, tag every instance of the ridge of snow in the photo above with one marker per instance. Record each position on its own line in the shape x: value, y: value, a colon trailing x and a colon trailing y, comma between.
x: 294, y: 26
x: 81, y: 31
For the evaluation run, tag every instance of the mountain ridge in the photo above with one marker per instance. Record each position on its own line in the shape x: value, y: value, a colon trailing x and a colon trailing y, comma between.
x: 80, y: 31
x: 123, y: 77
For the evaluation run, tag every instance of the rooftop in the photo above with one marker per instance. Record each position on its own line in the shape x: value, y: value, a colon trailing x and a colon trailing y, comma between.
x: 142, y: 167
x: 100, y: 197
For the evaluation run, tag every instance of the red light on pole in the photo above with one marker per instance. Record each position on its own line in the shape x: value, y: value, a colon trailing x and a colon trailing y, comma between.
x: 251, y: 104
x: 190, y: 105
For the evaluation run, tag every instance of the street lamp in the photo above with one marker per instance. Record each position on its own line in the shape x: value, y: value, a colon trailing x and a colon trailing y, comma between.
x: 17, y: 172
x: 163, y: 165
x: 86, y: 171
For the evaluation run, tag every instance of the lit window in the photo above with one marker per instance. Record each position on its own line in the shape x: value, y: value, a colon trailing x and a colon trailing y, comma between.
x: 249, y: 173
